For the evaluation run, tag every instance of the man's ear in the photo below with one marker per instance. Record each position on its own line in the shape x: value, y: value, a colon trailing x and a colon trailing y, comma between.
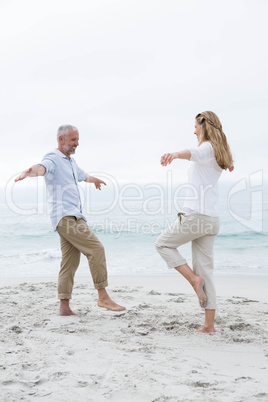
x: 61, y: 139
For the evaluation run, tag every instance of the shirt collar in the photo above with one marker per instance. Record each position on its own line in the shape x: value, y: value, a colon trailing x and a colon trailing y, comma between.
x: 62, y: 155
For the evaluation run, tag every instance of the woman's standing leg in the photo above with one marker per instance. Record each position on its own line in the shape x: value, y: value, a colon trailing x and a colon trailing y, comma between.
x: 202, y: 256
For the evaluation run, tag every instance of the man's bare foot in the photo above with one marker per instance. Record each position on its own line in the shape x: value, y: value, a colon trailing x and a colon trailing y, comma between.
x: 199, y: 290
x: 66, y: 312
x: 65, y: 308
x: 108, y: 303
x: 206, y: 330
x: 105, y: 301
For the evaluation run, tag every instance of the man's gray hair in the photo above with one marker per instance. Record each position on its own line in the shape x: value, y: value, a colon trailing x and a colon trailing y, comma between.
x: 64, y: 130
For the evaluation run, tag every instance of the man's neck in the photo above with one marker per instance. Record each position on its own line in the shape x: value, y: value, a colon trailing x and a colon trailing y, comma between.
x: 64, y: 153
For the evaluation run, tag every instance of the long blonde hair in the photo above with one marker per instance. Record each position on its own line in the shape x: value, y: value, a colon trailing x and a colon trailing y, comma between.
x: 211, y: 130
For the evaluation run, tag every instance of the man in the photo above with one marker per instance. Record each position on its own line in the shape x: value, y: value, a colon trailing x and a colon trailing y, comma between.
x: 62, y: 175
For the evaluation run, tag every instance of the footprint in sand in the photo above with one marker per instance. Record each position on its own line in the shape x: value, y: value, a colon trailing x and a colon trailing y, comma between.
x: 154, y: 293
x: 242, y: 340
x: 177, y: 300
x: 240, y: 327
x: 16, y: 329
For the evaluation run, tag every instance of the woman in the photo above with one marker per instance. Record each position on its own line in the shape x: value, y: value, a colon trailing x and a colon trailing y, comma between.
x: 199, y: 221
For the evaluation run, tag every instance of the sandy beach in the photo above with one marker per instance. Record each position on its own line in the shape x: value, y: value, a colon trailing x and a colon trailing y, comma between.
x: 150, y: 352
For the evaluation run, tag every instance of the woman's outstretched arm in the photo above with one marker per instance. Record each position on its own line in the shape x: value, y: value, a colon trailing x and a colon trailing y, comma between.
x: 168, y: 158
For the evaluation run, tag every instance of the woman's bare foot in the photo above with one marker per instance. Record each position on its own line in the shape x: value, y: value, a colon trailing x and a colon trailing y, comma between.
x: 208, y: 326
x: 65, y: 308
x: 206, y: 330
x: 199, y: 290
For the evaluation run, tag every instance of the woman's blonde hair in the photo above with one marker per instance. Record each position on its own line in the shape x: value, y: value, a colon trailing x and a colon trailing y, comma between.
x: 211, y: 130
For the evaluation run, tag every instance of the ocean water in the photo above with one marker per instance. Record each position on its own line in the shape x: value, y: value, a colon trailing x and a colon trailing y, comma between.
x: 128, y: 230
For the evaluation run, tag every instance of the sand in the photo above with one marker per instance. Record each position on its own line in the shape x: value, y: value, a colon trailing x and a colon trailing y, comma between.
x: 148, y: 353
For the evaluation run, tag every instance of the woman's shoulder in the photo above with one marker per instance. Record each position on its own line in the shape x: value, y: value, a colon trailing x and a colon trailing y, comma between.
x: 206, y: 147
x: 206, y: 144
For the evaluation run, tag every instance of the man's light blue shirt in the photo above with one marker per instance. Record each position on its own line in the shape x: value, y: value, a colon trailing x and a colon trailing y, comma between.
x: 62, y: 176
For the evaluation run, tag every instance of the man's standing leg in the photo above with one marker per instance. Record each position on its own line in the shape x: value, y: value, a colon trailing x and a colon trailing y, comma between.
x: 69, y: 264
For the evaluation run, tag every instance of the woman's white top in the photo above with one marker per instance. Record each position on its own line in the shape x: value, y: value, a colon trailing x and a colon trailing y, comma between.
x: 202, y: 190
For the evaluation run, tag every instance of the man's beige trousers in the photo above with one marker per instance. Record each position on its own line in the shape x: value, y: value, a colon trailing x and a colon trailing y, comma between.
x: 201, y: 231
x: 76, y: 237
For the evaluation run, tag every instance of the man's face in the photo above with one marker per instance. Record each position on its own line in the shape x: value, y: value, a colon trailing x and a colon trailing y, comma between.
x: 71, y: 142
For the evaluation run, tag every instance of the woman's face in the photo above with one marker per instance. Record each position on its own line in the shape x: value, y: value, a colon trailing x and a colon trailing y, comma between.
x: 197, y: 130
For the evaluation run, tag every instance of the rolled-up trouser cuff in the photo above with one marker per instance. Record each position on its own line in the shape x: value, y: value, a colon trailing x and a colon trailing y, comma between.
x: 177, y: 263
x: 64, y: 296
x: 211, y: 306
x: 101, y: 285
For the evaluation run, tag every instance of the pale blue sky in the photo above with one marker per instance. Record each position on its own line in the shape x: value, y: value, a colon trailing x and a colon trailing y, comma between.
x: 132, y: 75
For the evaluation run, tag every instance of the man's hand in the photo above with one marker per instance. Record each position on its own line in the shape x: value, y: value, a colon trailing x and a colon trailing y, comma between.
x: 35, y: 170
x: 97, y: 183
x: 167, y: 159
x: 23, y: 175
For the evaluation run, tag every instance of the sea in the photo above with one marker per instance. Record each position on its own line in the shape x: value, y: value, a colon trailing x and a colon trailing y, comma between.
x: 128, y: 226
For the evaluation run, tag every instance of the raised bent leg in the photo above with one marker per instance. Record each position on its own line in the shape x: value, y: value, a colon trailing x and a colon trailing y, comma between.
x: 197, y: 283
x: 174, y: 236
x: 181, y: 232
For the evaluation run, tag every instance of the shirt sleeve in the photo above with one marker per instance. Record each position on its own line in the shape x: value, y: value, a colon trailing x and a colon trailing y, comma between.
x: 81, y: 174
x: 201, y: 153
x: 49, y: 164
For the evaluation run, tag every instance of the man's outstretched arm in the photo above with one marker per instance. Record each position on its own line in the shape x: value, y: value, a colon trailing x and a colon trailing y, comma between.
x: 95, y: 181
x: 35, y: 170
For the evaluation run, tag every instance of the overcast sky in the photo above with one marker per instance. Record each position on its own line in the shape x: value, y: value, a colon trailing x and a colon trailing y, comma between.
x: 132, y: 75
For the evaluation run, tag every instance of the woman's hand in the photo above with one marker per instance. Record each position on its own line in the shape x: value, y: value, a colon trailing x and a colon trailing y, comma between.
x: 231, y: 168
x: 166, y: 159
